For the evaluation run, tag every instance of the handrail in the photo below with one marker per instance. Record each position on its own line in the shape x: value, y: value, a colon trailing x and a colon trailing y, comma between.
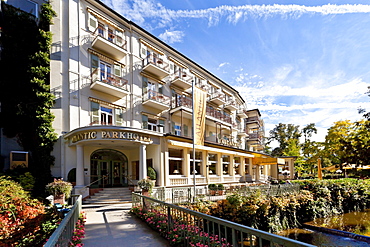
x: 80, y: 189
x: 129, y: 180
x: 63, y: 234
x: 207, y: 225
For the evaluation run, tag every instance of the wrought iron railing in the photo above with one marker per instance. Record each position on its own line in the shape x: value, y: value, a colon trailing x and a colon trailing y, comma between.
x: 210, y: 227
x: 63, y: 234
x: 182, y: 194
x: 110, y: 36
x: 156, y: 61
x: 158, y: 97
x: 108, y: 78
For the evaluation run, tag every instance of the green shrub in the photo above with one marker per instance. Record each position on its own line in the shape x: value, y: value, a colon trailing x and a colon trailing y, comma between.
x: 152, y: 174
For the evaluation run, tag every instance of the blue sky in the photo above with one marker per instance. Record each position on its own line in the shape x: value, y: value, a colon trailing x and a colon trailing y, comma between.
x: 298, y: 62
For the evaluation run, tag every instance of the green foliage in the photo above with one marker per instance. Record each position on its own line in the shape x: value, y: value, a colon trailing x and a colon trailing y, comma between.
x: 317, y: 199
x: 27, y: 181
x: 220, y: 187
x: 212, y: 187
x: 59, y: 187
x: 146, y: 184
x: 28, y: 66
x: 152, y: 174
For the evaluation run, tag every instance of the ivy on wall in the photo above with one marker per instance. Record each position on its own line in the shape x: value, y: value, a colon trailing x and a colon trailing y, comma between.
x: 25, y: 87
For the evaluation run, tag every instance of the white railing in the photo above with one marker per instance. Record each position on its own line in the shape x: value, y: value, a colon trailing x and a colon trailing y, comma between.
x: 178, y: 181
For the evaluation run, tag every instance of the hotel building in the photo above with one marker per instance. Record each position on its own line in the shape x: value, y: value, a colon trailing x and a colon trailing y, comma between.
x: 124, y: 103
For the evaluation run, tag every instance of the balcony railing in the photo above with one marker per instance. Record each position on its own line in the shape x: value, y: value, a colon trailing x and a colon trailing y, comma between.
x: 182, y: 79
x: 218, y: 115
x: 160, y: 101
x: 231, y: 105
x: 182, y: 100
x: 108, y: 83
x: 110, y: 36
x: 218, y: 98
x: 242, y: 113
x: 253, y: 119
x: 156, y: 66
x: 254, y: 136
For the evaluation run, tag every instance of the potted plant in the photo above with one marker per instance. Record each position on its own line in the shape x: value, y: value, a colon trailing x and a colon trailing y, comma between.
x: 146, y: 185
x: 212, y: 189
x: 220, y: 189
x: 152, y: 174
x: 60, y: 189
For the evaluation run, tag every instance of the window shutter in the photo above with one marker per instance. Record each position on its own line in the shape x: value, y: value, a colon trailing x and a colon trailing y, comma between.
x: 145, y: 121
x: 94, y: 61
x: 160, y: 88
x: 92, y: 23
x: 173, y: 128
x: 119, y: 38
x: 95, y: 113
x: 117, y: 70
x: 119, y: 116
x: 161, y: 125
x: 145, y: 85
x: 185, y: 130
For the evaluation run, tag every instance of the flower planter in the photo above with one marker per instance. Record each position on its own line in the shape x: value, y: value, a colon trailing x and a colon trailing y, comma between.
x: 59, y: 198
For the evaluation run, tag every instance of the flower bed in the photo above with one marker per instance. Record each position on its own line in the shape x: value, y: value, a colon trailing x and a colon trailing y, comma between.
x: 79, y: 232
x: 178, y: 233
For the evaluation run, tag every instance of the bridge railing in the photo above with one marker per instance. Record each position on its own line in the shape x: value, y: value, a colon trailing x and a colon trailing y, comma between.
x: 204, y: 229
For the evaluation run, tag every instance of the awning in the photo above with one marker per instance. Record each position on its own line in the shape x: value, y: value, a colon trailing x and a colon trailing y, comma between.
x: 205, y: 148
x: 152, y: 47
x: 268, y: 161
x: 104, y: 19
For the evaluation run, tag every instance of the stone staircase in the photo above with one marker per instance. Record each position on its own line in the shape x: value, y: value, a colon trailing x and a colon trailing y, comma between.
x: 120, y: 195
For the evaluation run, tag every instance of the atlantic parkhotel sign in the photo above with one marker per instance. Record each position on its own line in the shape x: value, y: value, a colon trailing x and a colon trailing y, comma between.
x: 109, y: 135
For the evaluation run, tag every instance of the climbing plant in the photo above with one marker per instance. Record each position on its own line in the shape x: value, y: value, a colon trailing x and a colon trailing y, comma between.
x: 26, y: 100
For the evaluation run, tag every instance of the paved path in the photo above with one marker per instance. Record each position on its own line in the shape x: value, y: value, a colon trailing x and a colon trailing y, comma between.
x: 112, y: 225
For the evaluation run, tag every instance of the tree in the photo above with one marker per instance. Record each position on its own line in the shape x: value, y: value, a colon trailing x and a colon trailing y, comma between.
x: 284, y: 134
x: 25, y: 92
x: 335, y: 141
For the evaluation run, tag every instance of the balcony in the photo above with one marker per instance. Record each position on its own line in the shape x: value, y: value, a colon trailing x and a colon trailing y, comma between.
x: 255, y: 136
x: 110, y: 43
x: 217, y: 98
x: 182, y: 80
x: 255, y: 120
x: 182, y: 106
x: 156, y: 66
x: 218, y: 115
x: 156, y: 100
x: 108, y: 83
x: 231, y: 105
x: 242, y: 113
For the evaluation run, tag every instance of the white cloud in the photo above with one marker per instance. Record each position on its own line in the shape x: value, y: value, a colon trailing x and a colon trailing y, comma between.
x: 172, y: 36
x: 222, y: 65
x: 138, y: 10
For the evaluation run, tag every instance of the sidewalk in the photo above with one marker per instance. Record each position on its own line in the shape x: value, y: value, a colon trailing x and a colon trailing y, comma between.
x: 112, y: 225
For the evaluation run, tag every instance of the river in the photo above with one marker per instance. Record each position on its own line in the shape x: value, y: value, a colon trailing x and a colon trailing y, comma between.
x: 355, y: 222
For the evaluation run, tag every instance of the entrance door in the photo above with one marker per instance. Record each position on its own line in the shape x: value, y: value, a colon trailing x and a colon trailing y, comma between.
x: 108, y: 169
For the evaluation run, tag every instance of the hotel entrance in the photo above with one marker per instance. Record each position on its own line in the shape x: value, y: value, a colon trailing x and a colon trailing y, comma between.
x: 108, y: 168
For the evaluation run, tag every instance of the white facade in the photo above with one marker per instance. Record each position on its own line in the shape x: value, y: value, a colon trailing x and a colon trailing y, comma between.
x: 124, y: 103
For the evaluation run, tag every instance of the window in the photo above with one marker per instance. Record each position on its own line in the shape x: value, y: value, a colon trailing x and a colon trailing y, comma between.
x: 225, y: 164
x: 198, y: 163
x: 152, y: 124
x: 177, y: 129
x: 104, y: 115
x: 175, y: 161
x: 106, y: 72
x: 212, y: 162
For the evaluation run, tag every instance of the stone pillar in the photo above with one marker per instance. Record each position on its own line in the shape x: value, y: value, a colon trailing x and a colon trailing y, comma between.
x: 142, y: 162
x: 80, y: 166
